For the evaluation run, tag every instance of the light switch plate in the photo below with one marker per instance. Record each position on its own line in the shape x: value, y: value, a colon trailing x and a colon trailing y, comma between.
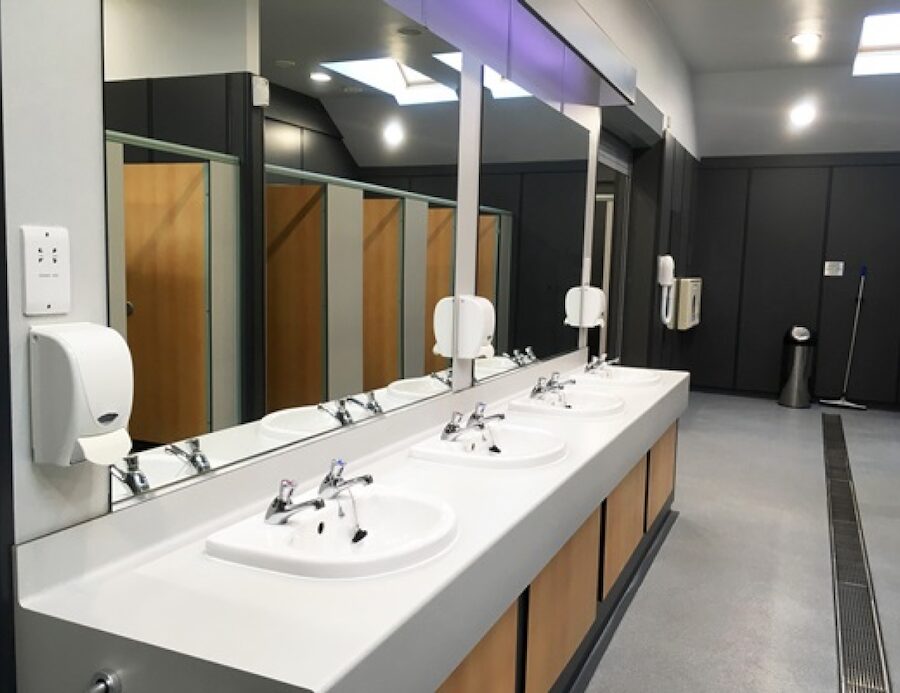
x: 45, y: 262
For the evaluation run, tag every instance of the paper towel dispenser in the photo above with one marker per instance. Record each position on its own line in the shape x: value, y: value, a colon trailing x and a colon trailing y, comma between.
x: 82, y: 384
x: 690, y: 290
x: 475, y: 323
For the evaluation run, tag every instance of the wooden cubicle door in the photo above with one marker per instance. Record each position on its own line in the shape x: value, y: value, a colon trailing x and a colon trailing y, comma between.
x: 165, y: 257
x: 382, y: 237
x: 661, y: 473
x: 438, y: 276
x: 486, y: 275
x: 562, y: 606
x: 624, y: 523
x: 295, y: 295
x: 491, y: 665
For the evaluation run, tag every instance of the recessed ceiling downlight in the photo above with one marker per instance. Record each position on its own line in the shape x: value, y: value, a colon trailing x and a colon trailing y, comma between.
x: 393, y: 134
x: 807, y: 43
x: 285, y: 63
x: 319, y: 76
x: 803, y: 114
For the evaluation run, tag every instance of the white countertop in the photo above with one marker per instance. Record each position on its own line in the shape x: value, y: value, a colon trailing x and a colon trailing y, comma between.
x: 404, y: 631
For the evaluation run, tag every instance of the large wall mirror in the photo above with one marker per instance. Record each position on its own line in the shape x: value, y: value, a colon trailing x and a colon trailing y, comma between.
x: 534, y: 165
x: 355, y: 170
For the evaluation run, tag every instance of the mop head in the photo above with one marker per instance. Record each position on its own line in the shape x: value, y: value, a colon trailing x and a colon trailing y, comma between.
x: 842, y: 402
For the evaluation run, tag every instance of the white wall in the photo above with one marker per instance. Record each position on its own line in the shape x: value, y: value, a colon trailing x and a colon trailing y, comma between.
x: 662, y: 73
x: 746, y: 113
x: 53, y: 159
x: 170, y: 38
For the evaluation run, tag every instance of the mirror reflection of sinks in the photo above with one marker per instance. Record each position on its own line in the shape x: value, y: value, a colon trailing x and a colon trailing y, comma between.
x: 404, y: 529
x: 161, y: 469
x: 486, y: 367
x: 293, y: 424
x: 517, y: 447
x: 618, y: 375
x: 574, y: 404
x: 411, y: 389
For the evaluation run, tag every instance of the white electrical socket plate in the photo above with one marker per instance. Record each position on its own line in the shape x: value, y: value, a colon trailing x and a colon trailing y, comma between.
x: 46, y: 266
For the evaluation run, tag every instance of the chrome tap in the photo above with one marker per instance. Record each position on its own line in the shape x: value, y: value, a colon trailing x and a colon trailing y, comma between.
x: 530, y: 355
x: 334, y: 483
x: 552, y: 386
x: 477, y: 421
x: 194, y: 456
x: 599, y: 363
x: 519, y: 358
x: 340, y: 412
x: 132, y: 477
x: 371, y: 404
x: 282, y: 508
x: 445, y: 379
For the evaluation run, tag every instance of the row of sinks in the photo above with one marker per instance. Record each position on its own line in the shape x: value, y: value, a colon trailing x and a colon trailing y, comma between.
x: 402, y: 527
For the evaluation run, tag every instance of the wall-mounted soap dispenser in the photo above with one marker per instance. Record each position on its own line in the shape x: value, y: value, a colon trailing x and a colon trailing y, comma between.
x: 475, y: 323
x: 82, y: 383
x: 585, y: 307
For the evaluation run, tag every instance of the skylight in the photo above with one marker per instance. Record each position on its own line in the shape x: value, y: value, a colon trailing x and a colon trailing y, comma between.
x: 406, y: 85
x: 879, y: 46
x: 497, y: 84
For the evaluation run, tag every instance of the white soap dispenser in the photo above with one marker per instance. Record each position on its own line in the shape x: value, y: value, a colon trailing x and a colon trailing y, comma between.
x: 475, y: 324
x: 82, y: 385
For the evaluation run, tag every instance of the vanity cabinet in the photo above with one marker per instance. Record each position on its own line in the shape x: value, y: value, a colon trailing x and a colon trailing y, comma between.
x: 491, y: 666
x: 562, y: 606
x: 661, y: 474
x: 624, y: 523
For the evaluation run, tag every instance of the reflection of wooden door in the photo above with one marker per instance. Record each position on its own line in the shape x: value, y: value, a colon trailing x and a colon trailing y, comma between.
x: 295, y: 319
x: 438, y: 275
x: 382, y: 220
x: 165, y: 257
x: 486, y: 276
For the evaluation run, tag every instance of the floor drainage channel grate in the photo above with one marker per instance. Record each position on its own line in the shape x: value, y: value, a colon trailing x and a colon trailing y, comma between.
x: 861, y: 657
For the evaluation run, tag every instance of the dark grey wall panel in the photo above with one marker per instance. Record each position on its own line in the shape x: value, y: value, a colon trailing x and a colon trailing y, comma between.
x: 326, y: 154
x: 548, y: 259
x: 863, y: 228
x: 717, y: 256
x: 283, y: 144
x: 191, y: 110
x: 786, y: 216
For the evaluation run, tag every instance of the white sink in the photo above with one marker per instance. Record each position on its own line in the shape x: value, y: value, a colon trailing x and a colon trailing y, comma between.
x: 617, y: 375
x: 294, y: 424
x: 404, y: 529
x: 576, y: 404
x: 412, y: 389
x: 519, y: 447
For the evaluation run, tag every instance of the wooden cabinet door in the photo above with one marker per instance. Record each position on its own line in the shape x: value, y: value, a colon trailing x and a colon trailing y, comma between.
x: 624, y: 523
x: 562, y: 606
x: 491, y: 666
x: 661, y: 473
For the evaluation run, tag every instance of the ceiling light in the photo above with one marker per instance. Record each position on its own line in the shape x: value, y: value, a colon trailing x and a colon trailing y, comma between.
x: 393, y: 134
x: 497, y: 84
x: 320, y: 76
x: 879, y: 46
x: 284, y: 63
x: 880, y: 31
x: 803, y: 114
x: 807, y: 43
x: 406, y: 85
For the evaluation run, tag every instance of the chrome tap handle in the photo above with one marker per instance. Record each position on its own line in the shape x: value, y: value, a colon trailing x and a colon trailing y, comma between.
x: 540, y: 388
x: 529, y: 352
x: 478, y: 414
x: 286, y: 490
x: 372, y: 404
x: 194, y: 444
x: 132, y: 463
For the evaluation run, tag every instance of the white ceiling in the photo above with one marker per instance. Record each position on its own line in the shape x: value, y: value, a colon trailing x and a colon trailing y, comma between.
x: 736, y: 35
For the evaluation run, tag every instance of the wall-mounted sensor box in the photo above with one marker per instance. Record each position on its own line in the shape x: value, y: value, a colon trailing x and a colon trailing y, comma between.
x: 689, y: 292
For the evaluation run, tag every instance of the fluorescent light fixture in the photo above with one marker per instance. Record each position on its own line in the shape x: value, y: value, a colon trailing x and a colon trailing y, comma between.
x: 803, y: 114
x: 807, y: 43
x: 393, y: 134
x: 879, y: 46
x: 320, y: 76
x: 497, y: 84
x: 406, y: 85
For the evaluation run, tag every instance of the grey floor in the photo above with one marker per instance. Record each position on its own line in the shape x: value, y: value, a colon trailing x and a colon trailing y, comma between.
x: 739, y: 597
